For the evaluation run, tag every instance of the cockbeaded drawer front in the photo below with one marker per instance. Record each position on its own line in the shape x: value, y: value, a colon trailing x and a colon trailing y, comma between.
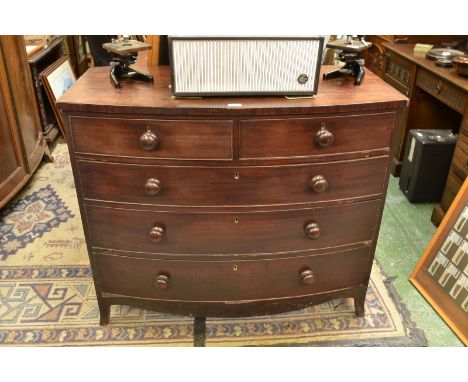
x: 238, y: 280
x: 232, y: 233
x: 151, y: 138
x: 232, y: 186
x: 315, y: 137
x: 441, y: 89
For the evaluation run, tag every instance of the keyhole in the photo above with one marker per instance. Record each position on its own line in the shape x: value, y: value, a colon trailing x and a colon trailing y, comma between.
x: 322, y: 125
x: 236, y: 175
x: 236, y: 220
x: 235, y: 268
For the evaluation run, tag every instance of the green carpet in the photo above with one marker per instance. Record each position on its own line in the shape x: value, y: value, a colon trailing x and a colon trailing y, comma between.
x: 404, y: 234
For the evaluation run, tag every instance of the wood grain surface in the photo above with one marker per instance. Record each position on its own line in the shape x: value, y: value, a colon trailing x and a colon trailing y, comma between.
x: 229, y: 206
x: 231, y: 232
x: 204, y: 186
x: 93, y: 92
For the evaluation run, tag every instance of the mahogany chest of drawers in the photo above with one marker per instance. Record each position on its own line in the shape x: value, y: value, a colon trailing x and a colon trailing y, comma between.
x: 229, y: 206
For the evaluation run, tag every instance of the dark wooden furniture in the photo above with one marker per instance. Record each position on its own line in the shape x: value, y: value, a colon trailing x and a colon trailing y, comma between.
x: 229, y: 206
x: 38, y: 63
x: 21, y: 142
x: 75, y: 46
x: 375, y: 55
x: 438, y: 100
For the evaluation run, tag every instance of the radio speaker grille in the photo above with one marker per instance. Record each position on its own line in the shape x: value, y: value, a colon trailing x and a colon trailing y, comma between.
x: 212, y: 66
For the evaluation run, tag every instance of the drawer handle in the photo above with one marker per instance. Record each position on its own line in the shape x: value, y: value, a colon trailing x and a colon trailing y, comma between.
x: 162, y: 281
x: 156, y: 234
x: 149, y: 140
x: 313, y: 231
x: 319, y: 183
x: 307, y: 277
x: 439, y: 87
x: 324, y: 137
x: 152, y: 186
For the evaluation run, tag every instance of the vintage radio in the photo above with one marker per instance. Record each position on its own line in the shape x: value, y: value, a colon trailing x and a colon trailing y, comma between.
x: 214, y: 66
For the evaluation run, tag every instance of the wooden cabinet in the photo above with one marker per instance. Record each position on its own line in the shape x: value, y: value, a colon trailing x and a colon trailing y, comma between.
x: 438, y: 100
x: 194, y: 207
x: 75, y: 46
x: 375, y: 55
x: 38, y: 63
x: 21, y: 142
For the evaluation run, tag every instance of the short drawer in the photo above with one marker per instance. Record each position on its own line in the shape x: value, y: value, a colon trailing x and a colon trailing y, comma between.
x: 232, y: 233
x: 231, y: 280
x: 232, y: 186
x: 147, y: 138
x: 441, y: 89
x: 314, y: 137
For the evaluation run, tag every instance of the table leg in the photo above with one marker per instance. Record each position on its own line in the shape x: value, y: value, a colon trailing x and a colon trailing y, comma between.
x: 199, y: 331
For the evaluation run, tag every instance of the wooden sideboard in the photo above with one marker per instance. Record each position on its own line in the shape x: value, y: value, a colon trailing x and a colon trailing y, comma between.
x: 229, y: 206
x: 375, y: 55
x: 21, y: 141
x: 438, y: 100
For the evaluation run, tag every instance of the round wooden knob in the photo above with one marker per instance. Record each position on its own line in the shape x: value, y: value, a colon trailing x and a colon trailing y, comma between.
x: 162, y: 281
x: 156, y: 234
x: 152, y: 186
x: 307, y: 277
x: 324, y: 137
x: 149, y: 140
x: 319, y: 183
x: 312, y: 231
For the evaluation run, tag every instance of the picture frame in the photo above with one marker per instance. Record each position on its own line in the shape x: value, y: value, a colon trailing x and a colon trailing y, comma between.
x: 441, y: 275
x: 33, y: 49
x: 81, y: 54
x: 57, y: 79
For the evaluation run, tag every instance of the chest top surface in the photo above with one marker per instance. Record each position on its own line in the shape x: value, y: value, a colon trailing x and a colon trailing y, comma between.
x: 94, y: 93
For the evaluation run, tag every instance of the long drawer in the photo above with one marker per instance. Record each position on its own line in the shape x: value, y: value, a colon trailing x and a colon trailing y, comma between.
x: 443, y: 90
x: 232, y: 233
x: 232, y: 186
x: 231, y: 280
x: 148, y: 138
x: 313, y: 137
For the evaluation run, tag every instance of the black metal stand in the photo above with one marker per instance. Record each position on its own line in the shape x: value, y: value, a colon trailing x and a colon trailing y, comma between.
x: 352, y: 58
x: 199, y: 331
x: 120, y: 68
x: 351, y: 69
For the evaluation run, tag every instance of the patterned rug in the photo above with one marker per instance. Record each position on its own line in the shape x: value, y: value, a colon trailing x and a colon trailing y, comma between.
x: 47, y: 296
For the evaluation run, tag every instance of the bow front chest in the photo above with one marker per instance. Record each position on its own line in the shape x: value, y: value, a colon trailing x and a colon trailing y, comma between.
x: 229, y: 206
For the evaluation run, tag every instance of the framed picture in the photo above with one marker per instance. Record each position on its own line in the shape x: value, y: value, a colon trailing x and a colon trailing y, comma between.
x: 441, y: 274
x: 57, y: 79
x: 81, y: 54
x: 31, y: 50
